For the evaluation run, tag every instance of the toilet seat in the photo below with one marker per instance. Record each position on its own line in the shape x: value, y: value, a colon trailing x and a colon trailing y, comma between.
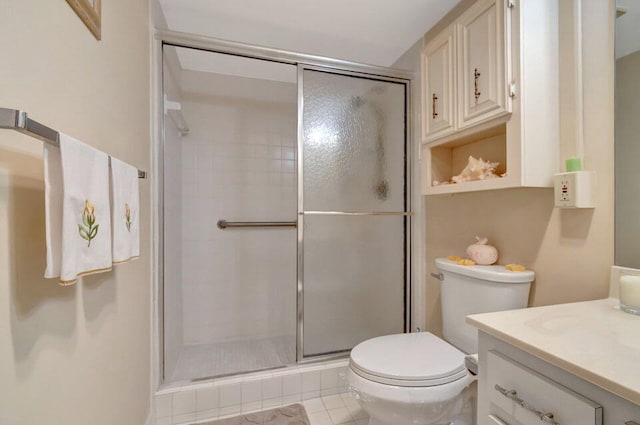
x: 408, y: 360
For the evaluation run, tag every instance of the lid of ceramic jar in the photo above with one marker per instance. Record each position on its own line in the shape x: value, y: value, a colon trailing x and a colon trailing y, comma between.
x: 414, y: 359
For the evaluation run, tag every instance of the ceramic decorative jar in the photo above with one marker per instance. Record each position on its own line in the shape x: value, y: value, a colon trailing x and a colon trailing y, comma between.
x: 481, y: 252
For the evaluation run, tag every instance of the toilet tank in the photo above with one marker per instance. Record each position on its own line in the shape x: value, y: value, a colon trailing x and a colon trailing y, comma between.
x: 469, y: 290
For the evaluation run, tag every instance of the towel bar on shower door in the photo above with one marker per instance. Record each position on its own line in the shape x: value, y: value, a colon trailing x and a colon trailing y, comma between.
x: 223, y: 224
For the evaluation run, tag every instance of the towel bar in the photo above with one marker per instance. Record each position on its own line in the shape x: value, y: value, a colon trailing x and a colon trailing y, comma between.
x: 15, y: 119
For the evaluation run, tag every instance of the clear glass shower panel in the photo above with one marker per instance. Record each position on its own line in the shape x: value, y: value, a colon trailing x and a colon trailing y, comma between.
x: 354, y: 280
x: 354, y: 143
x: 229, y: 295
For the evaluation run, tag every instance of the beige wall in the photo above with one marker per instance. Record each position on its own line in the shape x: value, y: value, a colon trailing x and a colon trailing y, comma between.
x: 571, y: 251
x: 80, y: 354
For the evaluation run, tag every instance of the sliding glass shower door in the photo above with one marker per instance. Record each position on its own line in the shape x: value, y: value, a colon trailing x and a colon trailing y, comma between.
x: 284, y: 221
x: 352, y: 207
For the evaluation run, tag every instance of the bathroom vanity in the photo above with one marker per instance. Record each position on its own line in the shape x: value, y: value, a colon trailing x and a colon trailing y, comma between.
x: 565, y: 364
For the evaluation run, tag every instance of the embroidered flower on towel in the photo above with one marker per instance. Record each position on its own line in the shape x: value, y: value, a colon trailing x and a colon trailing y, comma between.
x: 87, y: 229
x: 127, y: 215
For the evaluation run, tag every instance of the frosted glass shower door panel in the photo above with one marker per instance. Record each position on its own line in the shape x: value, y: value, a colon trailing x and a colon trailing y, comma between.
x: 354, y: 274
x: 354, y: 143
x: 354, y: 234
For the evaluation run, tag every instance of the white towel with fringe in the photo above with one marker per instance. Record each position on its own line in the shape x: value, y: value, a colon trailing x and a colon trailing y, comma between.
x: 125, y: 210
x: 78, y: 238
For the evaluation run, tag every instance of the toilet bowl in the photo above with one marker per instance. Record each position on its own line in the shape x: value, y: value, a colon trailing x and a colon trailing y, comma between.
x: 420, y: 379
x: 411, y: 379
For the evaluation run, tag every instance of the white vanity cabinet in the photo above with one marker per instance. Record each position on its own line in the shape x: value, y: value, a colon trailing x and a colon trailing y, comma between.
x: 490, y: 89
x: 516, y: 388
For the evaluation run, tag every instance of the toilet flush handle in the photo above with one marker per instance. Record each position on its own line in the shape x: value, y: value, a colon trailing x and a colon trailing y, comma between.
x: 438, y: 276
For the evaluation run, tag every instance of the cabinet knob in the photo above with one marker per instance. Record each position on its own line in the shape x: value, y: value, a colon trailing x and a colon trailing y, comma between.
x: 434, y: 114
x: 476, y: 92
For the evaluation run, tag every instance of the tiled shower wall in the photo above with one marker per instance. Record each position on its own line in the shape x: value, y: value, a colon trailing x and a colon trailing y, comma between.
x: 238, y: 163
x: 230, y: 396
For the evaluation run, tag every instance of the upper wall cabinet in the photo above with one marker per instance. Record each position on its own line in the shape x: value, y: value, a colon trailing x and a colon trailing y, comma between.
x: 438, y: 86
x: 481, y: 57
x: 490, y: 89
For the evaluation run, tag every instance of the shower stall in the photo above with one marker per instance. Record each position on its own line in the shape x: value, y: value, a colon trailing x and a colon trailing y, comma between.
x: 285, y: 210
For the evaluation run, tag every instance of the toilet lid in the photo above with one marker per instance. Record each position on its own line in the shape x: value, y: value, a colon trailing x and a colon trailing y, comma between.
x: 418, y: 359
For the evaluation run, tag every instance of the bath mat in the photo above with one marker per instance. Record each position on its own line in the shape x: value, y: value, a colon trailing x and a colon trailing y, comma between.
x: 288, y: 415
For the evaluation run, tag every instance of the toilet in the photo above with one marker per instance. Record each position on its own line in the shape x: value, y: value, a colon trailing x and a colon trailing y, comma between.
x: 420, y: 379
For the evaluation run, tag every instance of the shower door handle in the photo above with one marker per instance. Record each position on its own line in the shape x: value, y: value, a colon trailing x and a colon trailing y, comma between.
x: 224, y: 224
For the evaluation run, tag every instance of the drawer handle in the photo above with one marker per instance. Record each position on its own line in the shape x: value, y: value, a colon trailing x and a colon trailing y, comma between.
x: 513, y: 395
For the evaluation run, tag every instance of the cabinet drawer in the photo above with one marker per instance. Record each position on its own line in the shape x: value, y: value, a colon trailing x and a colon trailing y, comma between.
x: 519, y: 394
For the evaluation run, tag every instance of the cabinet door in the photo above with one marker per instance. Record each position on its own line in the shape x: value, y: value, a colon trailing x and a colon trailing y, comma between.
x: 481, y: 51
x: 438, y: 82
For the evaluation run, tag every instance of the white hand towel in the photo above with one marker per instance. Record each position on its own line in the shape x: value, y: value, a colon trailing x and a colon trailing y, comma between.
x: 125, y: 210
x: 86, y: 219
x: 53, y: 195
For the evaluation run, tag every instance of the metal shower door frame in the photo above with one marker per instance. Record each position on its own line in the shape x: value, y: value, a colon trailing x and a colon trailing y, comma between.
x: 302, y: 61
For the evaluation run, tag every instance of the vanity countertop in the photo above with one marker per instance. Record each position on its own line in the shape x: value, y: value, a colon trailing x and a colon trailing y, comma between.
x: 593, y: 340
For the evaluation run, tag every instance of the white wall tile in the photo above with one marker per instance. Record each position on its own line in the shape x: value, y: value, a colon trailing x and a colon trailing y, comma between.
x: 311, y: 381
x: 251, y: 391
x: 207, y: 398
x: 164, y: 405
x: 230, y: 410
x: 272, y: 402
x: 207, y: 414
x: 292, y: 384
x: 251, y: 407
x: 329, y: 378
x: 184, y: 402
x: 272, y: 387
x: 230, y: 395
x: 184, y: 418
x: 290, y: 399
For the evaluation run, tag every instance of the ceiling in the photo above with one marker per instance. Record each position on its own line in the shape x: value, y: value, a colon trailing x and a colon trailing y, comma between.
x: 374, y: 32
x: 628, y: 28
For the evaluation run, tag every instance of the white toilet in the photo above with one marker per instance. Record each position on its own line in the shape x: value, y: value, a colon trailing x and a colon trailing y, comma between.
x: 420, y: 379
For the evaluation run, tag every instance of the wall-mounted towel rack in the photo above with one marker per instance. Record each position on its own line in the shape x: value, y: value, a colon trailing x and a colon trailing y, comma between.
x: 15, y: 119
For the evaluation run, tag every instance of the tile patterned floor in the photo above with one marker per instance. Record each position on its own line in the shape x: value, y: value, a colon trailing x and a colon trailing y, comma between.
x: 339, y: 409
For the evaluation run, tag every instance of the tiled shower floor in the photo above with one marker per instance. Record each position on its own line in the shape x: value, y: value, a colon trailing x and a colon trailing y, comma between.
x: 206, y: 360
